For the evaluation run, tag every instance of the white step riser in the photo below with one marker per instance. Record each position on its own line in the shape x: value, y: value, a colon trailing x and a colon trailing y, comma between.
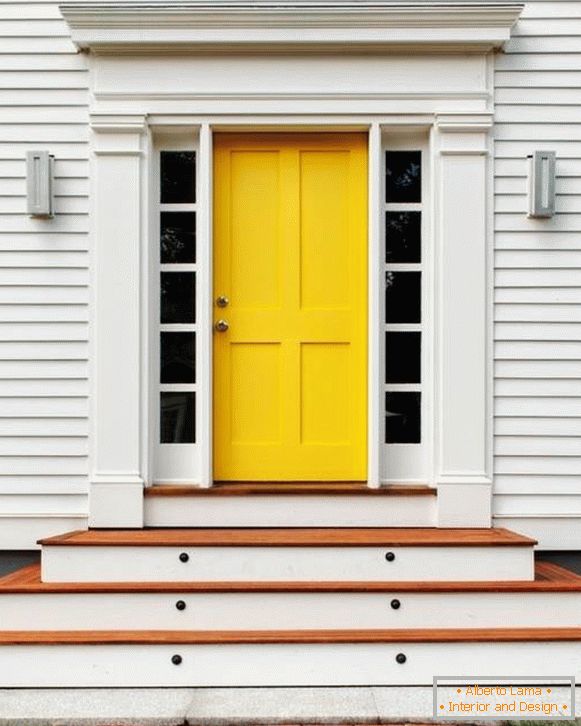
x: 291, y: 511
x: 277, y: 664
x: 288, y: 611
x: 258, y: 564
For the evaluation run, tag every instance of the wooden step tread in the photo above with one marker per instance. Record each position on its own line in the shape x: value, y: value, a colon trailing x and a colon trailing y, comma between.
x: 212, y: 637
x: 293, y: 537
x: 548, y: 578
x: 243, y: 489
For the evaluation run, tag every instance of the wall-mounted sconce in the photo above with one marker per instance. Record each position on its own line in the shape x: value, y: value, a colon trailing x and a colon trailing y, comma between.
x: 40, y: 184
x: 541, y: 184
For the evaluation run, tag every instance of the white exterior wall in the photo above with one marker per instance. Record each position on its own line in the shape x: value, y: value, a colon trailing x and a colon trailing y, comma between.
x: 538, y: 280
x: 44, y: 270
x: 44, y: 273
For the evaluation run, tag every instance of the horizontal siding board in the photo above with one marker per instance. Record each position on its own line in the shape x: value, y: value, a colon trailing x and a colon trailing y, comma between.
x: 43, y: 313
x: 44, y: 294
x: 527, y: 484
x: 43, y: 369
x: 518, y: 204
x: 43, y: 446
x: 43, y: 484
x: 525, y: 62
x: 540, y: 95
x: 48, y: 80
x: 555, y: 277
x: 537, y: 406
x: 538, y: 465
x: 39, y: 97
x: 543, y: 44
x: 43, y: 388
x: 63, y: 205
x: 20, y: 223
x: 516, y: 369
x: 73, y: 259
x: 537, y: 350
x: 63, y: 168
x: 538, y: 427
x: 538, y: 387
x: 33, y: 465
x: 535, y: 114
x: 29, y: 28
x: 38, y: 45
x: 54, y: 428
x: 537, y: 131
x: 45, y: 350
x: 43, y: 331
x: 64, y: 188
x: 57, y: 407
x: 46, y: 243
x: 517, y: 166
x: 31, y: 276
x: 545, y: 295
x: 535, y: 331
x: 538, y: 79
x: 549, y: 240
x: 519, y: 259
x: 533, y: 446
x: 529, y: 313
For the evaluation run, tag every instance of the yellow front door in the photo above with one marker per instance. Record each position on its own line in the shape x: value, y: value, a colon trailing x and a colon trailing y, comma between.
x: 290, y: 262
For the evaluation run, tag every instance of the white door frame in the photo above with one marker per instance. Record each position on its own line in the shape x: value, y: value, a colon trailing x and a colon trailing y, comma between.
x: 133, y: 97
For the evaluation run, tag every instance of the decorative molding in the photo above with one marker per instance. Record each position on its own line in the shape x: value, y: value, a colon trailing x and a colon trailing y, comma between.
x: 461, y: 123
x: 241, y: 22
x: 118, y: 123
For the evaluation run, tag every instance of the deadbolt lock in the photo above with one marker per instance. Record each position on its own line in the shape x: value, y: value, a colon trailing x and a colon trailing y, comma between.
x: 222, y: 301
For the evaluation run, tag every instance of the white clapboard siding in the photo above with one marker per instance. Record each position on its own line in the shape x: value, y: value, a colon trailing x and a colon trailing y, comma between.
x: 538, y: 285
x: 44, y: 266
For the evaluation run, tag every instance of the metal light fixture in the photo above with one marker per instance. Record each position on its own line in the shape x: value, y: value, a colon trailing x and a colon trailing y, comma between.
x: 40, y: 184
x: 541, y: 184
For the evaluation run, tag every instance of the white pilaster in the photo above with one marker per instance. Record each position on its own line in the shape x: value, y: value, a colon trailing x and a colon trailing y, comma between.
x: 463, y: 333
x: 116, y: 493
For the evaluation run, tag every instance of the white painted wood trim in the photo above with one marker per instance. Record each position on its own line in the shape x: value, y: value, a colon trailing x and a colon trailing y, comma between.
x: 287, y: 611
x: 348, y: 664
x: 375, y: 405
x: 259, y: 564
x: 483, y: 25
x: 462, y: 190
x: 118, y: 191
x: 279, y: 510
x: 205, y: 297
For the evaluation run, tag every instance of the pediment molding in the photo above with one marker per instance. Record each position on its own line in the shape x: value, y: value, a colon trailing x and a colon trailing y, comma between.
x: 151, y: 26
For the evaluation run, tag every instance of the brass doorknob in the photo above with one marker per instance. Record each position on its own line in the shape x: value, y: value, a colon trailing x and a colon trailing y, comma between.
x: 221, y: 326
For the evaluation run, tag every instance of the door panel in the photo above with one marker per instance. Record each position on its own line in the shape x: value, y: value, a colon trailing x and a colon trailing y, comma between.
x: 290, y: 253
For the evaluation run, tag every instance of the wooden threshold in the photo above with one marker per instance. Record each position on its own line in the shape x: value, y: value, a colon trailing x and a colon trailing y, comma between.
x: 213, y: 637
x: 293, y: 537
x: 243, y: 489
x: 548, y: 578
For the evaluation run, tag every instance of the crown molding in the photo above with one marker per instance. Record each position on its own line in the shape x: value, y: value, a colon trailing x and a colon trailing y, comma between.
x: 144, y: 26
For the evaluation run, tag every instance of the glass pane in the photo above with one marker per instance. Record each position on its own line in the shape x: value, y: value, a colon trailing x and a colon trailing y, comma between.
x: 178, y: 358
x: 178, y: 237
x: 178, y: 418
x: 403, y: 417
x: 178, y: 297
x: 178, y: 177
x: 403, y: 297
x: 403, y: 357
x: 403, y: 176
x: 403, y: 236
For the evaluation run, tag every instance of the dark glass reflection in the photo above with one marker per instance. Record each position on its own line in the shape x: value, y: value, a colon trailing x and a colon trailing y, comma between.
x: 403, y: 356
x: 403, y: 297
x: 403, y: 417
x: 178, y: 297
x: 178, y: 419
x: 178, y: 177
x: 403, y: 236
x: 178, y: 358
x: 403, y: 176
x: 178, y: 237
